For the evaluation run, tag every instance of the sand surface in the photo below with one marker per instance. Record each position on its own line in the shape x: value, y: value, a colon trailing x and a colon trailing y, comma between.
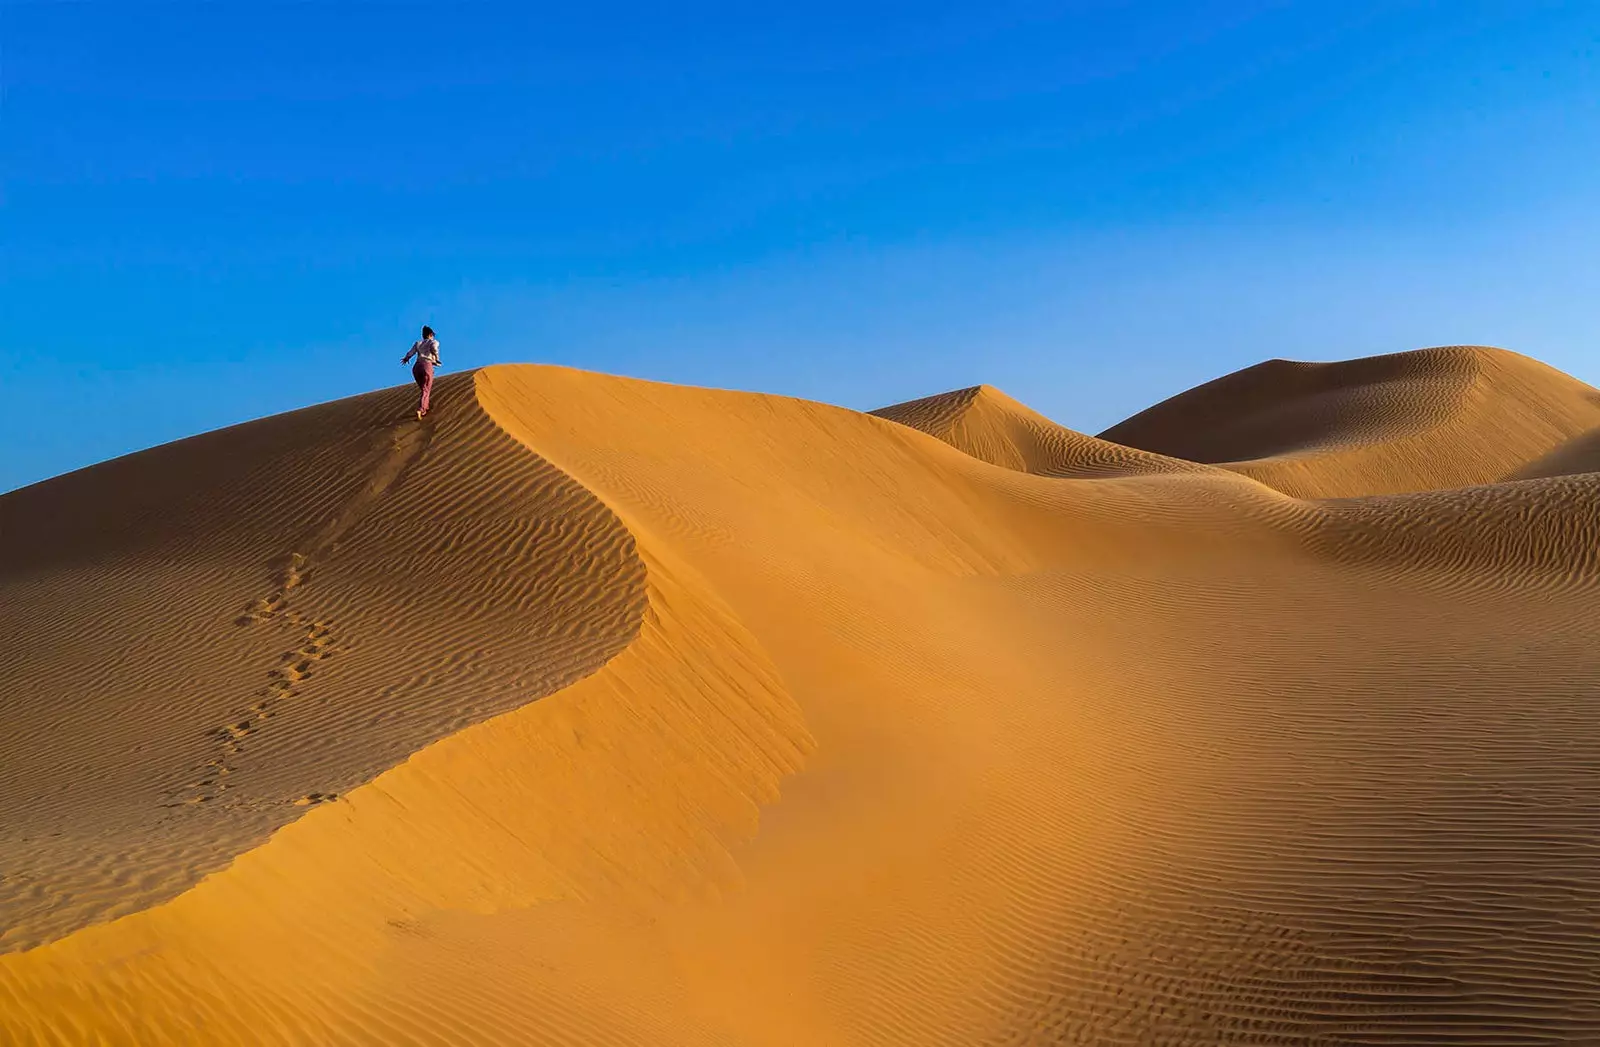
x: 593, y: 710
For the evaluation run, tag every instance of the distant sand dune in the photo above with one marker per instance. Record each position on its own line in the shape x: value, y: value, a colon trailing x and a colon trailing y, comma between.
x: 1424, y: 420
x: 992, y: 427
x: 965, y: 730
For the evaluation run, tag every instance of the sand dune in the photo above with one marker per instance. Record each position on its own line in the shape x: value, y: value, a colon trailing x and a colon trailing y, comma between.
x: 992, y: 427
x: 949, y: 725
x: 269, y: 616
x: 1424, y: 420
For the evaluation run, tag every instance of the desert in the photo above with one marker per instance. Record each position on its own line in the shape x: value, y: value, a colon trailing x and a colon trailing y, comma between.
x: 596, y: 710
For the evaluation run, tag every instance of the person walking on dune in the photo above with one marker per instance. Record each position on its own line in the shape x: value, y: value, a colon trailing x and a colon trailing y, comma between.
x: 426, y: 350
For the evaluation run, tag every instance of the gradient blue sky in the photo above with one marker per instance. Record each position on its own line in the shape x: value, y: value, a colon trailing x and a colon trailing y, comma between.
x: 212, y: 211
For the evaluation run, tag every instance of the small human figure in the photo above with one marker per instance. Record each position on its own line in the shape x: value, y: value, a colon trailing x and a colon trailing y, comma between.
x: 426, y: 350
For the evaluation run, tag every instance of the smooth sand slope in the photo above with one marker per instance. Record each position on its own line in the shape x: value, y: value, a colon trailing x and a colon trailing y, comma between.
x: 846, y: 733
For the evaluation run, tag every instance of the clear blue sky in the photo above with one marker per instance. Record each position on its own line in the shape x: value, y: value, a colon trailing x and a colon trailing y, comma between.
x: 214, y: 211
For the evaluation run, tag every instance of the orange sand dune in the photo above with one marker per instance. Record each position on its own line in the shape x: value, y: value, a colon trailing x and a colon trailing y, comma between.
x: 1424, y: 420
x: 844, y: 734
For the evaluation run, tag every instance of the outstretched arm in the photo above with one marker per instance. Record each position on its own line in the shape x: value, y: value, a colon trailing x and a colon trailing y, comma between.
x: 409, y: 354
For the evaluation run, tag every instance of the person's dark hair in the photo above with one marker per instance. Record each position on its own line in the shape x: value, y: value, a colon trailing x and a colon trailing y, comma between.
x: 427, y: 332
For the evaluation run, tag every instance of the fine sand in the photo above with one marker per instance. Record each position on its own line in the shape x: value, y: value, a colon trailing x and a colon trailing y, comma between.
x: 593, y: 710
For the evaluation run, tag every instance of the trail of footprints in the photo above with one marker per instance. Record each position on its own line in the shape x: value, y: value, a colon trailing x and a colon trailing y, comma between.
x: 284, y: 685
x: 390, y: 457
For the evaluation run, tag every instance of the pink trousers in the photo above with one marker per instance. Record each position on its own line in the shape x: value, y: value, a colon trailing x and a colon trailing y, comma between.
x: 422, y: 371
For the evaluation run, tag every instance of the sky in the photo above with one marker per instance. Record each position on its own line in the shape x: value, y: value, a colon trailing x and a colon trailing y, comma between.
x: 211, y: 212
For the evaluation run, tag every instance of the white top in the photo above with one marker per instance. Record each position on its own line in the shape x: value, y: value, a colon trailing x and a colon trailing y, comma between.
x: 426, y: 349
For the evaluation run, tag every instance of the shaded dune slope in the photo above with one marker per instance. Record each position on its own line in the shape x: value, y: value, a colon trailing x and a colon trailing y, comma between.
x: 1581, y: 454
x: 1424, y: 420
x: 904, y: 748
x: 207, y: 638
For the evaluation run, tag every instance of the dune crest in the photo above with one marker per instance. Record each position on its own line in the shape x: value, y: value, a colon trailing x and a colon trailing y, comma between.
x: 879, y: 743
